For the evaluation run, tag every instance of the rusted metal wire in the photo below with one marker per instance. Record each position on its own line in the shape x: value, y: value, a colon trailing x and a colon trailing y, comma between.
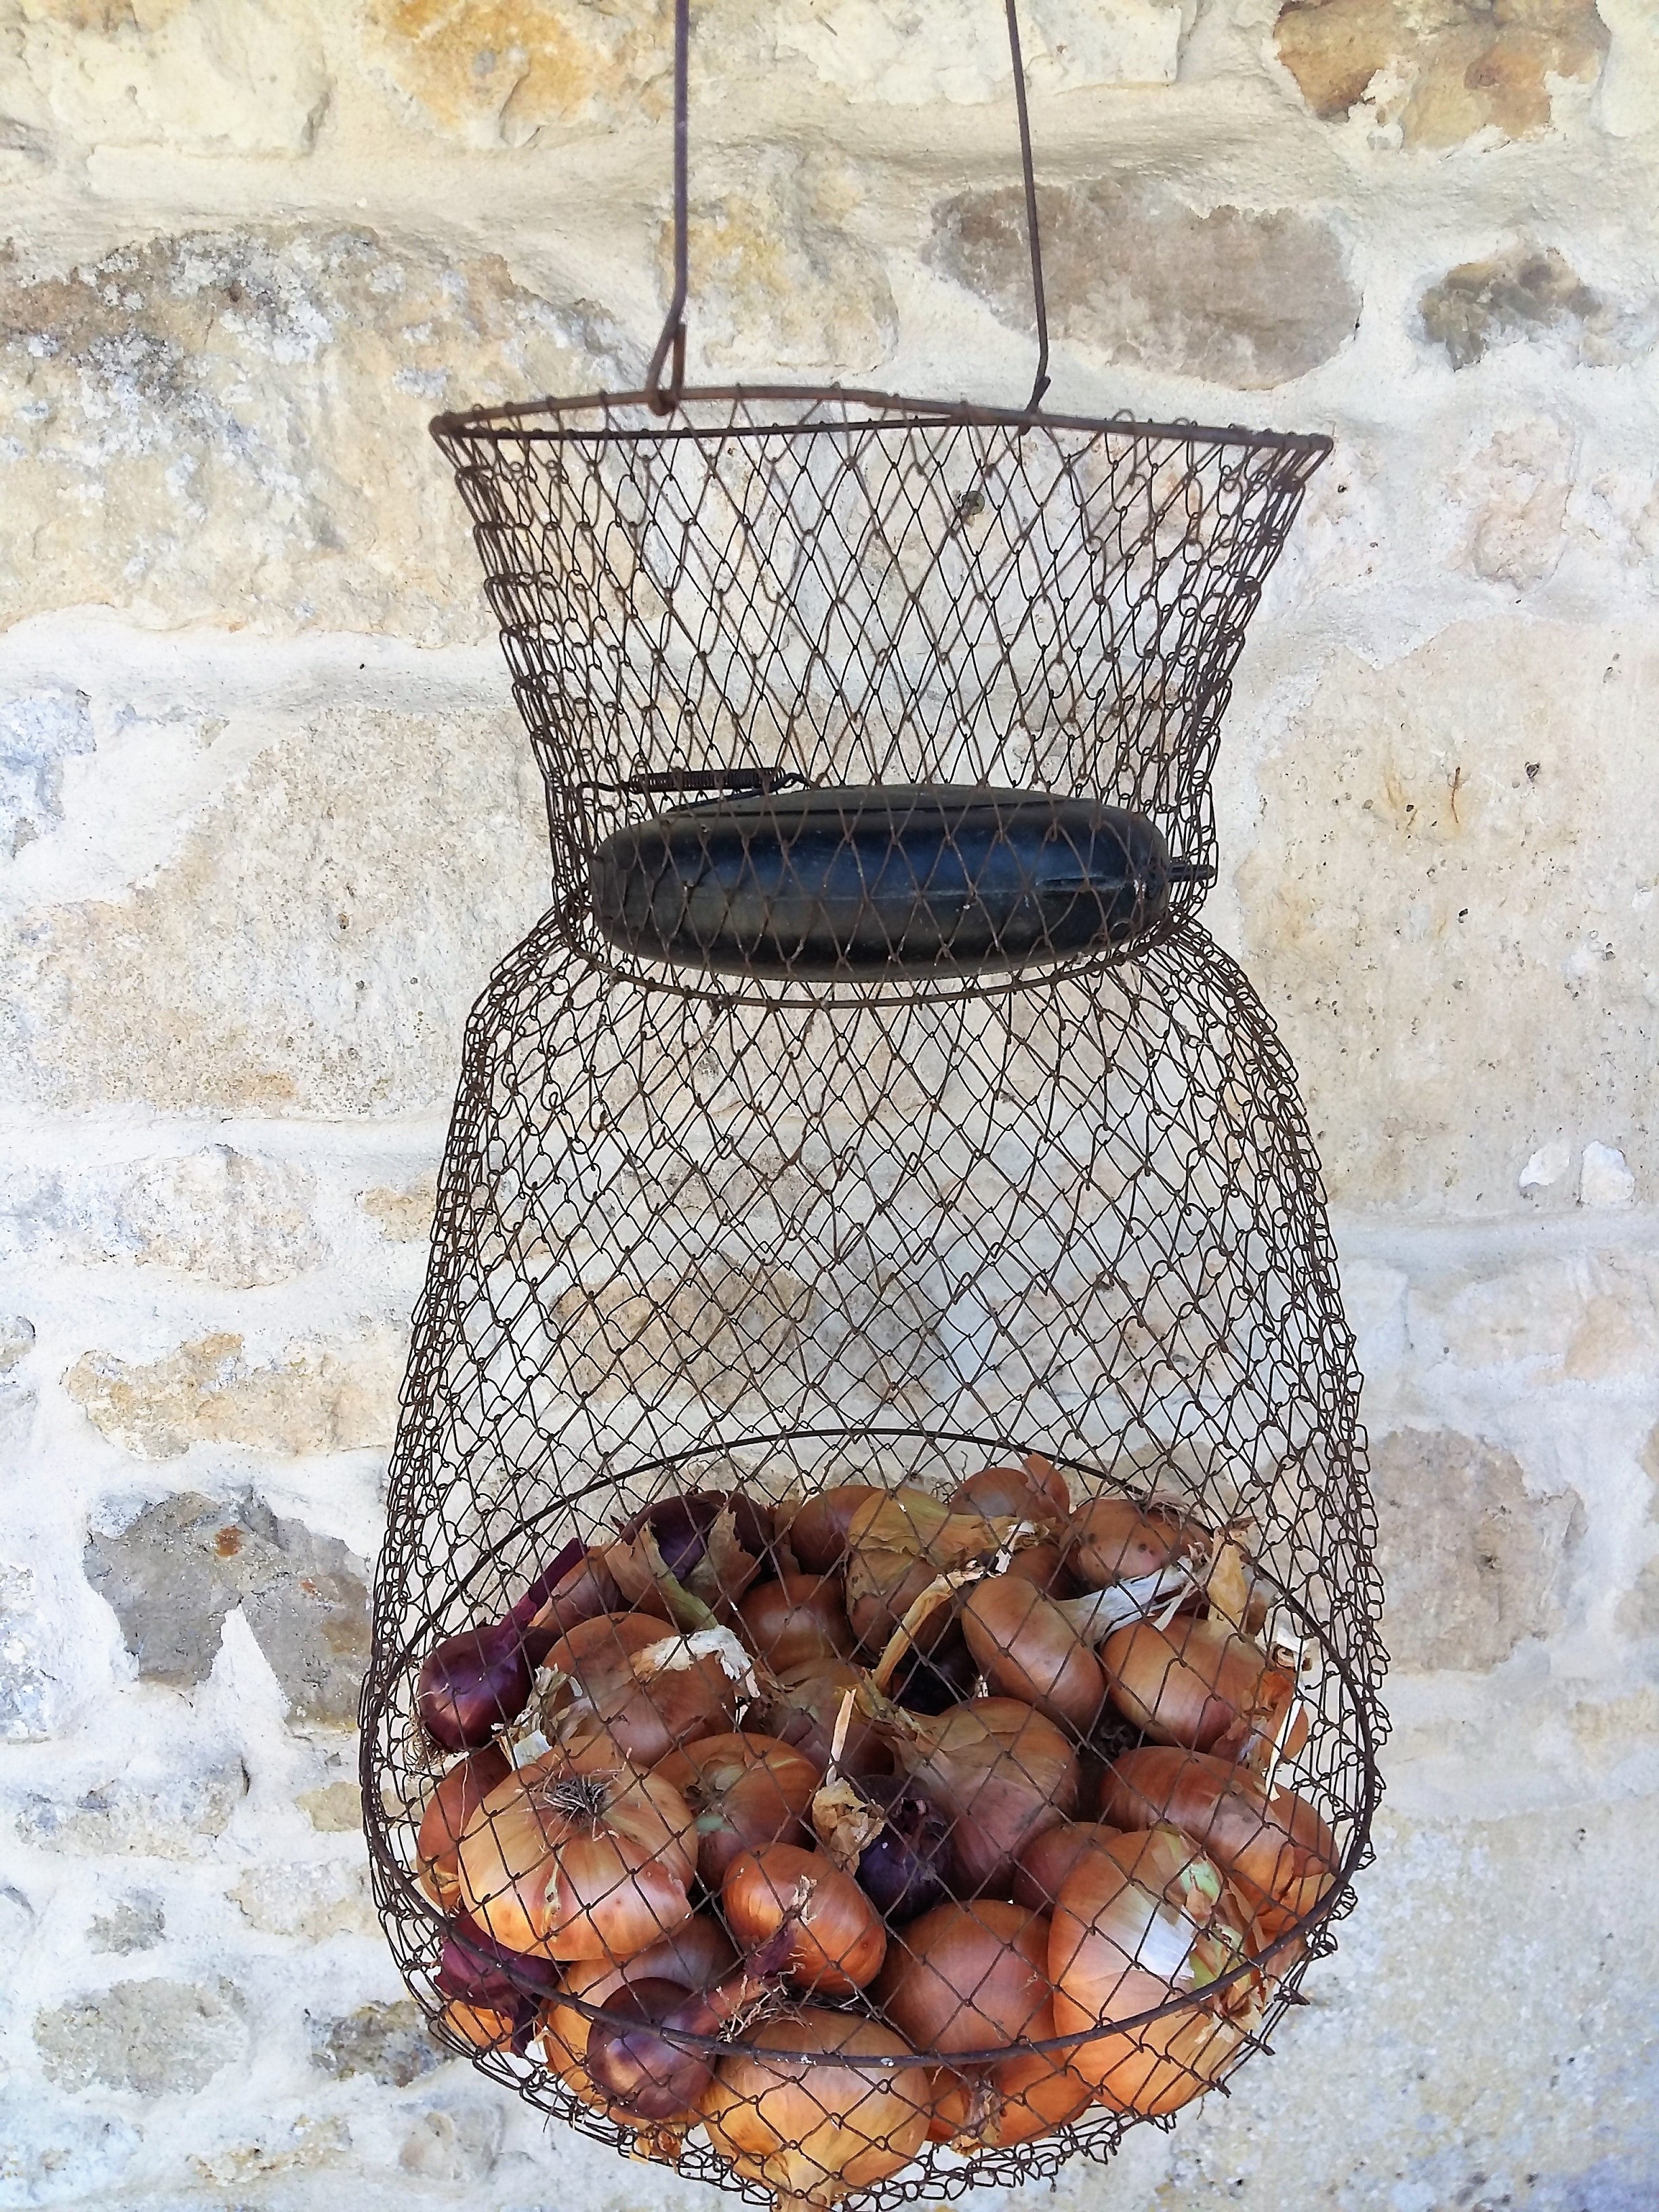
x: 1007, y: 1170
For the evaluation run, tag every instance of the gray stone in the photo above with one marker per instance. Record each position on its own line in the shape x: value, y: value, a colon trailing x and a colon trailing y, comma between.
x: 221, y: 1213
x: 136, y: 1924
x: 30, y: 1697
x: 156, y: 2038
x: 389, y: 2042
x: 307, y: 1900
x: 1245, y: 299
x: 313, y: 1398
x: 231, y: 425
x: 172, y: 1574
x: 314, y: 942
x: 39, y: 731
x: 16, y: 1342
x: 1471, y: 1564
x: 148, y: 1811
x: 1440, y: 71
x: 1528, y: 293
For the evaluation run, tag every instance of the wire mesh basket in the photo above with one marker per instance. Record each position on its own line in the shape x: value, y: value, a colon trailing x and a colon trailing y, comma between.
x: 875, y: 1684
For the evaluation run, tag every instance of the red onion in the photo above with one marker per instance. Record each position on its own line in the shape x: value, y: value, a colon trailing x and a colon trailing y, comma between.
x: 631, y: 2053
x: 903, y: 1869
x: 479, y: 1680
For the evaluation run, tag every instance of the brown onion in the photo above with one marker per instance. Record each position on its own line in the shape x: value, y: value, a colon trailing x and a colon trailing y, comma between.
x: 744, y: 1791
x: 818, y: 1530
x: 448, y: 1809
x: 796, y: 1620
x: 1042, y: 1867
x: 485, y: 2028
x: 968, y: 1978
x: 1275, y: 1850
x: 837, y: 1942
x: 1113, y: 1540
x: 648, y: 1714
x: 577, y: 1865
x: 1020, y: 2097
x: 589, y: 1590
x: 1035, y: 1491
x: 803, y: 1711
x: 1000, y: 1772
x: 1045, y: 1565
x: 1145, y: 1919
x: 1027, y: 1647
x: 810, y: 2130
x: 1199, y: 1683
x: 694, y: 1956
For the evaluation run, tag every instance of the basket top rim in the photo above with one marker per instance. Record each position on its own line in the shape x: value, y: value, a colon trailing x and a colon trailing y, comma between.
x: 545, y: 420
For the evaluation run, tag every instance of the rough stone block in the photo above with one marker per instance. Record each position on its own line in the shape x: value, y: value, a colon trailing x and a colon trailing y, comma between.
x: 172, y: 1574
x: 308, y: 1902
x: 502, y: 72
x: 30, y: 1692
x: 1241, y: 298
x: 313, y: 945
x: 388, y: 2042
x: 1470, y: 1563
x: 1440, y: 71
x: 219, y: 1213
x: 1446, y: 907
x: 335, y: 1809
x: 39, y: 731
x: 312, y: 1399
x: 156, y: 2038
x: 1531, y: 293
x: 230, y: 427
x: 148, y: 1810
x: 136, y: 1924
x: 283, y: 2146
x: 405, y: 1215
x: 782, y: 278
x: 457, y: 2143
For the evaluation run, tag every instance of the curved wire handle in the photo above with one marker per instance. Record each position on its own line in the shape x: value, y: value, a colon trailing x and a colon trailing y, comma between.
x: 671, y: 344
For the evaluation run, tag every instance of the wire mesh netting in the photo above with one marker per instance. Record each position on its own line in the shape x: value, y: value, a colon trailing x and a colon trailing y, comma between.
x: 875, y: 1677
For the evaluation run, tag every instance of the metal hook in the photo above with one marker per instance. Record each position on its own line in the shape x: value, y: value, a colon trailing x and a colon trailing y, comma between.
x: 672, y: 341
x: 670, y: 346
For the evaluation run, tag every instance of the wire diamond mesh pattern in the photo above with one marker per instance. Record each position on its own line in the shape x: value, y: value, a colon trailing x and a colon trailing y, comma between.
x: 711, y: 1252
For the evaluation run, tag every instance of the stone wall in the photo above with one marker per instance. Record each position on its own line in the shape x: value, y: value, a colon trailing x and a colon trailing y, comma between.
x: 265, y: 822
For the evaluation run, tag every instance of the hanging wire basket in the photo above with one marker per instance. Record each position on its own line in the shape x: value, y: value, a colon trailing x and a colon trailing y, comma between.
x: 875, y: 1679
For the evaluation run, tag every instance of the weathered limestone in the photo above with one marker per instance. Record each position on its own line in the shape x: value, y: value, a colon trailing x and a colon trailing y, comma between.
x: 156, y: 2038
x: 1243, y: 298
x: 1450, y: 1006
x: 1530, y: 294
x: 309, y: 1902
x: 1470, y: 1563
x: 387, y: 2042
x: 172, y: 1575
x: 200, y: 76
x: 311, y: 1399
x: 229, y: 425
x: 152, y: 1808
x: 313, y: 946
x: 1440, y: 71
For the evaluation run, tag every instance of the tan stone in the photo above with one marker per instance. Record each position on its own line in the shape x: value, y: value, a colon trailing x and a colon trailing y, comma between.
x: 1243, y: 298
x: 1590, y: 1317
x: 334, y: 1808
x: 1610, y: 1730
x: 1447, y: 909
x: 230, y: 425
x: 497, y: 71
x: 315, y: 942
x: 197, y: 76
x: 308, y: 1901
x: 1470, y: 1563
x: 405, y: 1215
x: 503, y: 72
x: 1441, y: 70
x: 299, y: 2145
x: 313, y: 1398
x: 153, y: 2037
x: 781, y: 277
